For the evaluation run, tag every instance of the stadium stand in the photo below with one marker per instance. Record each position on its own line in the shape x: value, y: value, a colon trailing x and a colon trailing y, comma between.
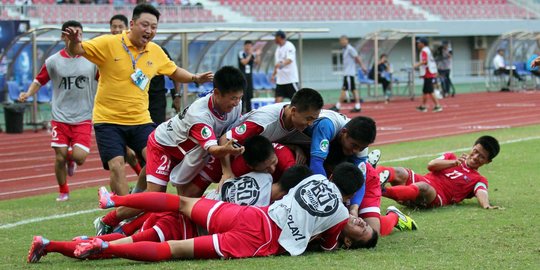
x: 474, y: 9
x: 333, y: 10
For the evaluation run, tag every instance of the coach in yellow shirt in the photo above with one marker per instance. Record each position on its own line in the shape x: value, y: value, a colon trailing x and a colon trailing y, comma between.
x: 127, y: 62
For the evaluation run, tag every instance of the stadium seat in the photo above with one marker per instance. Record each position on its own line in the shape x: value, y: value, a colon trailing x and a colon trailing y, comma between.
x: 257, y: 83
x: 44, y: 95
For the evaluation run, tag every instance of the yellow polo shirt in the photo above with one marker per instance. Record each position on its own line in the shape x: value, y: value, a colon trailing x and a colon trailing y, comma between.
x: 118, y: 99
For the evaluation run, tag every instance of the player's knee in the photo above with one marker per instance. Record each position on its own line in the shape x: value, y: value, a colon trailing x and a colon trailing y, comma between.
x: 401, y: 175
x: 116, y: 164
x: 60, y: 158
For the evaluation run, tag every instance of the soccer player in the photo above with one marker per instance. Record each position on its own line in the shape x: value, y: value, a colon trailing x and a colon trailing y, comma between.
x: 428, y: 71
x: 277, y: 121
x: 254, y: 189
x: 314, y: 207
x: 74, y: 87
x: 126, y: 63
x: 260, y: 155
x: 186, y: 141
x: 450, y: 180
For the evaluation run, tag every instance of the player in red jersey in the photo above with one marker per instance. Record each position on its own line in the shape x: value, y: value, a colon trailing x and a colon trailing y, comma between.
x: 313, y: 207
x: 450, y: 179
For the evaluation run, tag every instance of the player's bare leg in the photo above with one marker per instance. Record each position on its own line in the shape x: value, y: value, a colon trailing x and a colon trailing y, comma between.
x: 79, y: 155
x: 375, y: 223
x: 118, y: 182
x: 189, y: 190
x: 183, y: 249
x: 427, y: 194
x: 131, y: 159
x: 60, y: 170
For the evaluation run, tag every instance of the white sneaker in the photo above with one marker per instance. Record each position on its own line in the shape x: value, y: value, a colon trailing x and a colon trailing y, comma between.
x: 62, y: 197
x: 383, y: 178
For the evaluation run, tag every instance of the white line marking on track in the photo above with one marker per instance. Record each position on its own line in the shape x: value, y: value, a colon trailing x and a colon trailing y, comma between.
x: 516, y: 105
x: 485, y: 127
x: 40, y: 219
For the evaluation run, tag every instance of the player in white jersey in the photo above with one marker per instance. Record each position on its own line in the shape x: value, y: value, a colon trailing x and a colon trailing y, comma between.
x: 277, y: 121
x: 186, y: 141
x: 74, y: 87
x: 246, y: 231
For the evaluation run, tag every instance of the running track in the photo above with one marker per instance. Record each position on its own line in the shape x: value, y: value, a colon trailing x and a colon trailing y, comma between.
x: 26, y: 159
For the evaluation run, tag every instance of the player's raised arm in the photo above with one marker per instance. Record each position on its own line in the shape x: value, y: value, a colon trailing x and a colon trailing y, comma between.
x: 184, y: 76
x: 74, y: 36
x: 442, y: 163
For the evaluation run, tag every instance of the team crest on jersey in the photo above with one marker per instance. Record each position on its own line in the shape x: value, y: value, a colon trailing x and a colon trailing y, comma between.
x: 206, y: 133
x: 241, y: 129
x: 317, y: 198
x: 243, y: 190
x: 324, y: 145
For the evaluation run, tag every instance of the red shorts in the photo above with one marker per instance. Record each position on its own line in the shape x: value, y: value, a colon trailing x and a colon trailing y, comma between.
x: 65, y: 135
x: 170, y: 226
x: 371, y: 204
x: 160, y: 160
x: 440, y: 200
x: 234, y: 231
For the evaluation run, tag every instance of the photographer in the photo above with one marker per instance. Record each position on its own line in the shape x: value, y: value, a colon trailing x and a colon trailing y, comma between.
x: 443, y: 57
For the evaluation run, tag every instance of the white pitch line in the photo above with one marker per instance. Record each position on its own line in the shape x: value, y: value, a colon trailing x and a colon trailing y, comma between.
x: 39, y: 219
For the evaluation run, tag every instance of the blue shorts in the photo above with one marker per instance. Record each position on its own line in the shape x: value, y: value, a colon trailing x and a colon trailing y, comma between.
x: 112, y: 140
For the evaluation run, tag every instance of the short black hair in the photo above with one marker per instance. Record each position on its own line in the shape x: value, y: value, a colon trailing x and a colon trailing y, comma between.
x: 257, y: 150
x: 490, y: 144
x: 371, y: 243
x: 120, y: 17
x: 362, y: 128
x: 294, y: 175
x: 348, y: 178
x: 229, y: 79
x: 71, y: 24
x: 307, y: 99
x: 144, y: 8
x: 248, y: 42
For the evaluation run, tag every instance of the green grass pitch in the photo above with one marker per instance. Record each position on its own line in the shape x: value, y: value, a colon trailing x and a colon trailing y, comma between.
x: 457, y: 237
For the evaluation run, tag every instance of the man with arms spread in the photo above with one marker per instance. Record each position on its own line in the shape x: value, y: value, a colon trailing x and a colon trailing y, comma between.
x: 74, y: 88
x: 450, y: 180
x: 126, y: 63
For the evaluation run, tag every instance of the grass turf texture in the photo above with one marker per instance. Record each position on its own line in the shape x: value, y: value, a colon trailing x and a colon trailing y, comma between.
x: 456, y: 237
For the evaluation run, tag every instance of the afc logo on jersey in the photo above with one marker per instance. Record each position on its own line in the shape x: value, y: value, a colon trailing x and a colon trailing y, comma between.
x: 317, y: 198
x: 70, y: 82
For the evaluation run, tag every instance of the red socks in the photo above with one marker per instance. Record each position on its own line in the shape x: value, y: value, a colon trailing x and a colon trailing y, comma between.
x: 141, y: 251
x: 134, y: 225
x: 64, y: 188
x: 149, y: 201
x: 111, y: 219
x: 402, y: 193
x: 65, y: 248
x: 388, y: 222
x: 146, y: 235
x: 137, y: 168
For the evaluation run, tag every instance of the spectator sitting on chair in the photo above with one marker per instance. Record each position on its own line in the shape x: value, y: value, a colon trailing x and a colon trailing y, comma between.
x: 384, y: 76
x: 501, y: 68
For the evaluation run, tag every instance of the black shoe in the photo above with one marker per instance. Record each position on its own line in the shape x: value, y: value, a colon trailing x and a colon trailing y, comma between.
x: 334, y: 108
x: 355, y: 110
x: 505, y: 89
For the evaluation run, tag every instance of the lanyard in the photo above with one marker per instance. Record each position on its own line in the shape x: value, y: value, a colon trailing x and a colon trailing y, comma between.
x: 133, y: 60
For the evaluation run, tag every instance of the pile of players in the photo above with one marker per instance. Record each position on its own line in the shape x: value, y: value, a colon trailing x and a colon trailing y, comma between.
x: 288, y: 173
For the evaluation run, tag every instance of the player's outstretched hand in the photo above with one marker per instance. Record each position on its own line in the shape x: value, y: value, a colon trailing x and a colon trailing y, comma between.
x: 23, y: 97
x: 495, y: 207
x: 234, y: 148
x: 73, y: 34
x: 204, y: 77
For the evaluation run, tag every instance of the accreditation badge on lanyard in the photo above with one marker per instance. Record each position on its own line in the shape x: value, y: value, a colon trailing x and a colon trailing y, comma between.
x: 137, y: 77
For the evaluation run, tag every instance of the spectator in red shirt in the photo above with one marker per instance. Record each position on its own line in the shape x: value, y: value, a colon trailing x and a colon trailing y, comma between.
x: 428, y: 71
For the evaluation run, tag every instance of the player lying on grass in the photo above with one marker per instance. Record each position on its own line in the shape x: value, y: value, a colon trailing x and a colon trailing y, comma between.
x: 450, y: 179
x: 313, y: 207
x: 250, y: 189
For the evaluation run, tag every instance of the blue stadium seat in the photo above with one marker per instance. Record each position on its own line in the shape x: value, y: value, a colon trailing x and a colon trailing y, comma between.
x: 257, y: 83
x: 169, y: 84
x: 521, y: 69
x: 363, y: 79
x: 192, y: 88
x: 14, y: 90
x: 44, y: 95
x: 265, y: 81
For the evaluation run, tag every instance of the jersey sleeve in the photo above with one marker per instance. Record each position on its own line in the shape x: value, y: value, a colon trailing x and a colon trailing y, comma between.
x: 481, y: 185
x: 291, y: 53
x: 243, y: 131
x: 204, y: 134
x: 286, y: 160
x: 167, y: 67
x: 320, y: 139
x: 43, y: 76
x: 329, y: 238
x: 423, y: 56
x: 353, y: 52
x: 94, y: 49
